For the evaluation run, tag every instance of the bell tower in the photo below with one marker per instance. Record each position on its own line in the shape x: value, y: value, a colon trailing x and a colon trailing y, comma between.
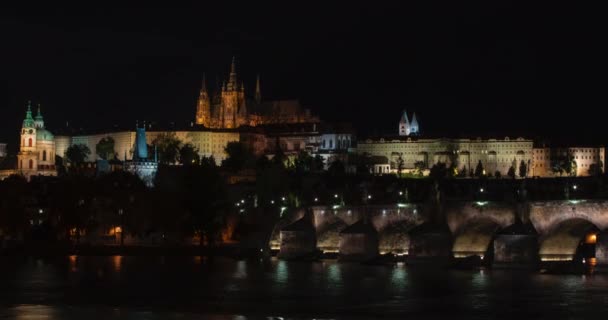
x: 203, y: 108
x: 27, y: 159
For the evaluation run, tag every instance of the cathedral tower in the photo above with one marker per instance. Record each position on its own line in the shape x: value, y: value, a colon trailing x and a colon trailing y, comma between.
x: 258, y: 92
x: 203, y: 107
x: 404, y: 125
x: 414, y: 128
x: 230, y: 100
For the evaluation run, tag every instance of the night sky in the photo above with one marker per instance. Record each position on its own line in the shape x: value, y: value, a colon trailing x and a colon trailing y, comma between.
x: 474, y: 68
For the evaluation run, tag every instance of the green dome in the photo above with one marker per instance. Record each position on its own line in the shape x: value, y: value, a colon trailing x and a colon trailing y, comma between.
x: 44, y: 135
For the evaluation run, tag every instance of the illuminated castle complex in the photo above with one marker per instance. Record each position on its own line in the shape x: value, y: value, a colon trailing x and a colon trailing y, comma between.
x: 229, y: 108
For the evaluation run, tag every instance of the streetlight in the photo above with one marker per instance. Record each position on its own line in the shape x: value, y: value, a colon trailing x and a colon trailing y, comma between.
x: 336, y: 195
x: 400, y: 193
x: 481, y: 190
x: 316, y: 199
x: 574, y: 187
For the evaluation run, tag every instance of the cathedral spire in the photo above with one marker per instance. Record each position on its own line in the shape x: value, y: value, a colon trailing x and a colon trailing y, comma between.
x: 414, y: 128
x: 258, y: 92
x: 204, y: 85
x: 203, y: 106
x: 404, y: 125
x: 232, y: 84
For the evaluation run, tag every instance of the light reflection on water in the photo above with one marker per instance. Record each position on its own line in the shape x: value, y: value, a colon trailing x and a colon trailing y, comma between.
x: 81, y: 287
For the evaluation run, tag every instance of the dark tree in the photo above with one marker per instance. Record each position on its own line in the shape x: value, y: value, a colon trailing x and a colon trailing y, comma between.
x: 438, y: 171
x: 188, y: 155
x: 419, y: 166
x: 105, y: 148
x: 336, y: 168
x: 596, y: 169
x: 511, y: 172
x: 463, y: 172
x: 479, y: 170
x: 77, y: 154
x: 318, y: 163
x: 239, y: 157
x: 497, y: 174
x: 13, y: 220
x: 206, y: 201
x: 303, y: 162
x: 523, y: 169
x: 168, y: 147
x: 400, y: 165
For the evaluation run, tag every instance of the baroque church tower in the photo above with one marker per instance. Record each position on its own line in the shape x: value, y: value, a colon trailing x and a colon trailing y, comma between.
x: 27, y: 159
x: 37, y: 151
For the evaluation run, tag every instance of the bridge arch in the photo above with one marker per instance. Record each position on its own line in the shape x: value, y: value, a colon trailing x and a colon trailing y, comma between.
x: 475, y: 238
x: 569, y: 239
x: 546, y: 216
x: 459, y: 215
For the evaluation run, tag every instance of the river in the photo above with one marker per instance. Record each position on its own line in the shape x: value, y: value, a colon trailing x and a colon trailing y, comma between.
x: 79, y: 287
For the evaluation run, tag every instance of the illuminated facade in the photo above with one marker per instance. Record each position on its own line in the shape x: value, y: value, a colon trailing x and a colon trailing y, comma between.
x: 37, y: 149
x: 406, y: 127
x: 229, y: 108
x: 495, y: 155
x: 2, y: 150
x: 207, y: 142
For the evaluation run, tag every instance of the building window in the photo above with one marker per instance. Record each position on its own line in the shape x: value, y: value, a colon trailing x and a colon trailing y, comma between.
x: 43, y: 155
x: 31, y: 163
x: 331, y: 144
x: 30, y: 142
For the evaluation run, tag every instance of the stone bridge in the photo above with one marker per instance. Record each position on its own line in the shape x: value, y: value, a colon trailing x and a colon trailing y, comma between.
x: 556, y: 229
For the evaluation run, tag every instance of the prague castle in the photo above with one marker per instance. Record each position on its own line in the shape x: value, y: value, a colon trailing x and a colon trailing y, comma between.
x: 229, y: 107
x: 410, y: 150
x: 228, y: 115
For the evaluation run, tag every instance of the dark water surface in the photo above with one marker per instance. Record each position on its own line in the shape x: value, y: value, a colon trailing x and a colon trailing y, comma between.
x: 201, y: 288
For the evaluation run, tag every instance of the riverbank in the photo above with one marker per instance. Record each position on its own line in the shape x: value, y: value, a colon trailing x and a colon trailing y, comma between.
x: 224, y: 250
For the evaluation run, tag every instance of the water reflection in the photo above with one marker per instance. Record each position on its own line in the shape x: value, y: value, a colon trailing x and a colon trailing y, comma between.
x: 282, y: 272
x: 117, y: 263
x: 241, y: 270
x: 279, y: 288
x: 33, y: 312
x: 334, y: 275
x: 73, y: 261
x: 399, y: 277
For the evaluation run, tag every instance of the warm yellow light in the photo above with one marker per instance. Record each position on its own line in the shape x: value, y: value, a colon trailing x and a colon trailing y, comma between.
x: 591, y: 238
x: 592, y: 261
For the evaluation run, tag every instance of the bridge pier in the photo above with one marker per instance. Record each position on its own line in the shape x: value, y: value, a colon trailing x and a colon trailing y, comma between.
x: 516, y: 247
x: 601, y: 251
x: 298, y: 240
x: 358, y: 242
x: 430, y: 242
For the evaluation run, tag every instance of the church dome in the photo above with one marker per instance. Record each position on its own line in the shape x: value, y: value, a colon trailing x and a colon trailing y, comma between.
x: 44, y: 135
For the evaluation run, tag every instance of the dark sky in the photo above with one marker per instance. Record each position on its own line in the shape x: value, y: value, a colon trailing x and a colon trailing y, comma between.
x: 466, y: 67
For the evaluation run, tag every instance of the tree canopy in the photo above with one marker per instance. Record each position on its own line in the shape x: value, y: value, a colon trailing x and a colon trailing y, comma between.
x: 168, y: 147
x: 105, y: 148
x: 77, y: 153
